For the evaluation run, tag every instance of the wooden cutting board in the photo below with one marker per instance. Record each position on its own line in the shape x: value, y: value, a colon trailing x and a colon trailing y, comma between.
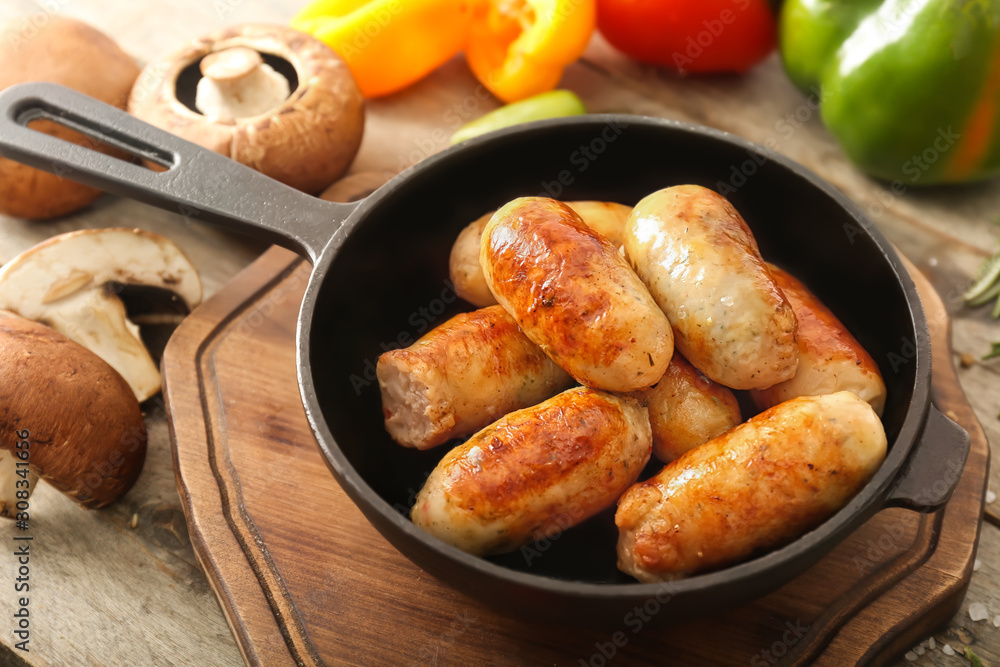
x: 304, y: 579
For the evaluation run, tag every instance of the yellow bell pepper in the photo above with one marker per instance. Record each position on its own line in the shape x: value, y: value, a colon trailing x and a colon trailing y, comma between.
x: 389, y: 44
x: 519, y: 48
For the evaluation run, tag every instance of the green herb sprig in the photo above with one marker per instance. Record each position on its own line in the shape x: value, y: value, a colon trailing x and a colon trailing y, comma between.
x: 986, y: 289
x: 973, y: 659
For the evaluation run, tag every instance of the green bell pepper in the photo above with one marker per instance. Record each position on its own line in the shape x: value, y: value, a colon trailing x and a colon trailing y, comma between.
x: 910, y: 88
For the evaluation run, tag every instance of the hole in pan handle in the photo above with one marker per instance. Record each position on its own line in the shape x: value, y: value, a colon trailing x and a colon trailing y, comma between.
x: 935, y: 465
x: 197, y: 182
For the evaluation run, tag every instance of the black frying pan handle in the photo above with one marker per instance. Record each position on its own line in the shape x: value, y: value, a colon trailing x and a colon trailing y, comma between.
x: 197, y: 182
x: 930, y: 475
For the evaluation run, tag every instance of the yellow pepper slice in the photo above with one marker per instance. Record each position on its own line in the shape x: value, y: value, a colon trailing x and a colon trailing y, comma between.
x: 519, y: 48
x: 389, y: 44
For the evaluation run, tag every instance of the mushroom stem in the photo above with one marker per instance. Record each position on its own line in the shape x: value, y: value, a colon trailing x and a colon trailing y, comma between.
x: 237, y: 83
x: 9, y: 486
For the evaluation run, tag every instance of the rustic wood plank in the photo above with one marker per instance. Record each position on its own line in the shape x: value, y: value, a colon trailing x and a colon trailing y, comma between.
x: 950, y: 229
x: 961, y: 631
x: 92, y: 576
x: 96, y: 575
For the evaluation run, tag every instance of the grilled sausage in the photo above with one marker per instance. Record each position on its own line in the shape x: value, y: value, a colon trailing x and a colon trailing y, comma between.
x: 756, y: 487
x: 461, y: 376
x: 686, y: 409
x: 830, y: 358
x: 701, y: 263
x: 605, y: 218
x: 535, y: 472
x: 572, y: 293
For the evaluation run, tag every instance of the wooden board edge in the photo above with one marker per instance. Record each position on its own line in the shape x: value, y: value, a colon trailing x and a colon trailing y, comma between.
x: 960, y: 524
x: 280, y: 604
x: 205, y: 517
x: 868, y: 591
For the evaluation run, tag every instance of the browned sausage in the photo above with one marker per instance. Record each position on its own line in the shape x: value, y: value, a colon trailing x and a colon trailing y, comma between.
x: 605, y: 218
x: 572, y: 293
x: 686, y: 409
x: 830, y: 358
x: 535, y: 472
x: 756, y: 487
x: 461, y: 376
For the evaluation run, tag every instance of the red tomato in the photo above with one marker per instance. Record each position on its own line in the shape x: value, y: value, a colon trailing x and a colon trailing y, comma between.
x: 690, y: 35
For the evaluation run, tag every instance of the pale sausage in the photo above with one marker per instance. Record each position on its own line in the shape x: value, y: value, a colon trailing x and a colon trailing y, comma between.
x: 701, y: 263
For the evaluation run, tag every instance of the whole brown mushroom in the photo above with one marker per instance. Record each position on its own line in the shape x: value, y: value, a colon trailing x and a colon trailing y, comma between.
x: 73, y: 54
x: 272, y: 98
x: 83, y: 426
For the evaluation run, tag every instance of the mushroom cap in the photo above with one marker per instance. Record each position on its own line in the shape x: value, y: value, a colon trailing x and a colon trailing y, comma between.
x: 63, y: 283
x: 73, y: 54
x: 307, y: 142
x: 86, y: 430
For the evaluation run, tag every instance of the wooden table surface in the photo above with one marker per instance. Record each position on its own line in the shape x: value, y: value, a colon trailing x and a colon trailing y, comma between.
x: 107, y: 593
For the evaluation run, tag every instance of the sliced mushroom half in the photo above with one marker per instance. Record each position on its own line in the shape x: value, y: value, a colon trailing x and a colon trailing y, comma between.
x: 73, y: 283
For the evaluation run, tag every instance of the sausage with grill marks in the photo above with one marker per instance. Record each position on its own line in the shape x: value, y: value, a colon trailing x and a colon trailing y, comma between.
x: 535, y: 472
x: 605, y: 218
x: 571, y: 292
x: 755, y: 487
